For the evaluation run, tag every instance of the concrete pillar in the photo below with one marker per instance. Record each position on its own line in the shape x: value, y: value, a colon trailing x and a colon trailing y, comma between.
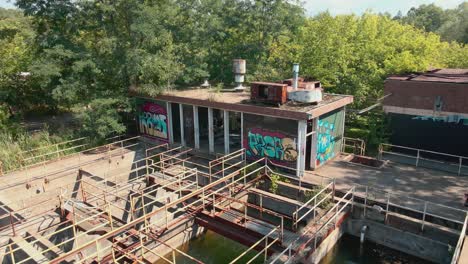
x: 170, y: 121
x: 210, y: 130
x: 301, y: 145
x: 182, y: 136
x: 343, y: 127
x: 196, y: 127
x: 226, y: 131
x: 242, y: 129
x: 314, y: 142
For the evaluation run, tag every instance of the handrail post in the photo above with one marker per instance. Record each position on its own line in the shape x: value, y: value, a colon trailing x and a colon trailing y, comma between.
x: 12, y: 224
x: 417, y: 159
x: 386, y: 211
x: 424, y: 216
x: 365, y: 201
x: 460, y: 165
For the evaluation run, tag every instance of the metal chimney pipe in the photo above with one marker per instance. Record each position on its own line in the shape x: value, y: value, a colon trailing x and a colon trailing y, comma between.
x: 295, y: 75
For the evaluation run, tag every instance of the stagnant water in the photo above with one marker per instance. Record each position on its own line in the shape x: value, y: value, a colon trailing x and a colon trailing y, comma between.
x: 212, y: 248
x: 348, y: 250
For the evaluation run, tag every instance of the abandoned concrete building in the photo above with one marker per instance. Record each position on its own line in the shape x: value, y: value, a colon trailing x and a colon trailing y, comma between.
x: 266, y: 168
x: 293, y: 134
x: 429, y: 110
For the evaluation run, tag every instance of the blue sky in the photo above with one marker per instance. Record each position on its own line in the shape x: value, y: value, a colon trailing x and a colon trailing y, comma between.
x: 352, y: 6
x: 359, y: 6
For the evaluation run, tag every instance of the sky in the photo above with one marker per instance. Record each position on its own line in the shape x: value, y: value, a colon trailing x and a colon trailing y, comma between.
x: 336, y: 7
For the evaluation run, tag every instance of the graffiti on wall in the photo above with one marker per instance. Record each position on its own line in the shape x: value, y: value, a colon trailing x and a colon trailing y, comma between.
x: 274, y: 145
x: 447, y: 119
x: 153, y: 120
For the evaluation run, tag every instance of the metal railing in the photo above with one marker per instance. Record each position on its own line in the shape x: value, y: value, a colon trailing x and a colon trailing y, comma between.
x: 425, y: 158
x: 354, y: 146
x: 297, y: 216
x: 460, y: 243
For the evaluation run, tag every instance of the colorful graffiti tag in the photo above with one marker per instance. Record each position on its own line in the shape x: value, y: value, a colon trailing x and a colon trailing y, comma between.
x: 274, y: 145
x: 153, y: 120
x: 325, y: 142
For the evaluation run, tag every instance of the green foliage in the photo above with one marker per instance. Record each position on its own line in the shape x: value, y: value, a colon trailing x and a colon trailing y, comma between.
x: 101, y: 117
x: 86, y: 55
x: 274, y: 179
x: 219, y: 87
x: 309, y: 194
x: 450, y: 24
x: 14, y: 147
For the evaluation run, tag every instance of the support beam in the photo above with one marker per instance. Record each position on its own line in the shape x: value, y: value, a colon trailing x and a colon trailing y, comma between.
x: 210, y: 130
x: 181, y: 114
x: 314, y: 143
x: 301, y: 145
x: 226, y: 132
x: 170, y: 121
x: 196, y: 127
x: 343, y: 127
x: 242, y: 130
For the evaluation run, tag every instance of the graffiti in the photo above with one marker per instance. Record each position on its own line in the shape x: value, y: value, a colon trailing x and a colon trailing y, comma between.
x: 274, y: 145
x: 153, y: 120
x: 447, y: 119
x: 325, y: 142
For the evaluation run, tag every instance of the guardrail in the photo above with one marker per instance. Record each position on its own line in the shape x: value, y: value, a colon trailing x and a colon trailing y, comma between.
x: 356, y: 145
x: 425, y: 158
x: 461, y: 241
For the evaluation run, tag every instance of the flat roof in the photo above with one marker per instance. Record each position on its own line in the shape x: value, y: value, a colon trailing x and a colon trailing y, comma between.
x: 241, y: 102
x: 439, y: 75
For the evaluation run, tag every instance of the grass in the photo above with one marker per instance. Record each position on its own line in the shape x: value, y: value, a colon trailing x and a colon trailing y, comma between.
x: 13, y: 147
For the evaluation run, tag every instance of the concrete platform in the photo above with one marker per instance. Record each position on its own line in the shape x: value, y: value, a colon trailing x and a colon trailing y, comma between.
x: 406, y: 180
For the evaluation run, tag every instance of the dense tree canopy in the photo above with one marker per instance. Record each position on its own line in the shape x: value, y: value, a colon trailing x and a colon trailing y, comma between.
x: 451, y: 24
x: 85, y: 55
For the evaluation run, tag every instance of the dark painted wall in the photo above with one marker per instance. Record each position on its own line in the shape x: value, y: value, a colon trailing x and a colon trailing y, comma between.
x: 152, y: 119
x: 271, y: 137
x: 446, y: 135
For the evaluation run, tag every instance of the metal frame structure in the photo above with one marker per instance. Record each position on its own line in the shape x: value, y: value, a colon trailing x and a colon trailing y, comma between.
x: 189, y: 185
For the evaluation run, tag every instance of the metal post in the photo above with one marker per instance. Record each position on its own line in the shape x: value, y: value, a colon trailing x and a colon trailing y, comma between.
x: 386, y: 211
x: 12, y: 224
x: 365, y: 201
x: 245, y: 216
x: 460, y: 166
x: 417, y: 159
x: 266, y: 248
x: 424, y: 217
x: 214, y: 204
x: 261, y: 206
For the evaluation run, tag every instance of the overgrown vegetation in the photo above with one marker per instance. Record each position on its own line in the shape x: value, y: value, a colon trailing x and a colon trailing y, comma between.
x: 274, y: 180
x: 15, y: 148
x: 326, y: 204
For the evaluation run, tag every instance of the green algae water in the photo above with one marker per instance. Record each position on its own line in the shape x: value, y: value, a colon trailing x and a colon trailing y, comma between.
x: 348, y: 250
x: 212, y: 248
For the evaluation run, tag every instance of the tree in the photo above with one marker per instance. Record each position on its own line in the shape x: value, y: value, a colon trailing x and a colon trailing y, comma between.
x: 16, y: 37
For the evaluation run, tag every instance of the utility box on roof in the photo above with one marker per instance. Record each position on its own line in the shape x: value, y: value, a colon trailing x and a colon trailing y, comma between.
x: 266, y: 92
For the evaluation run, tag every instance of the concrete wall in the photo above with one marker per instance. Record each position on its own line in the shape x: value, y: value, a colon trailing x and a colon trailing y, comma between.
x: 406, y: 242
x: 271, y: 137
x: 330, y: 130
